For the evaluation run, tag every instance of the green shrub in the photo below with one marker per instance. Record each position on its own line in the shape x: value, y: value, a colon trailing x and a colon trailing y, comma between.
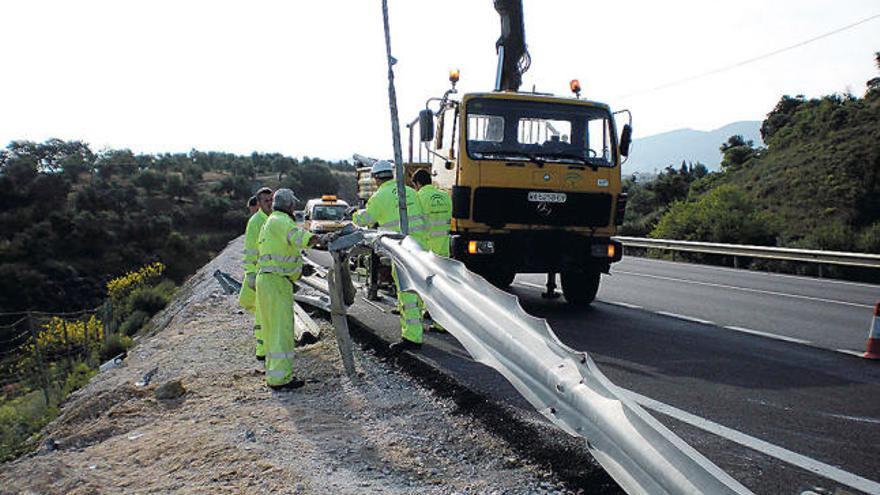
x: 77, y: 378
x: 116, y: 344
x: 19, y: 419
x: 725, y: 214
x: 869, y: 239
x: 134, y: 322
x: 149, y: 300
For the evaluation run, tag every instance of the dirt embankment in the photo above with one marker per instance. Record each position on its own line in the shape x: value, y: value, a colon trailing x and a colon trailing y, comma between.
x: 228, y: 433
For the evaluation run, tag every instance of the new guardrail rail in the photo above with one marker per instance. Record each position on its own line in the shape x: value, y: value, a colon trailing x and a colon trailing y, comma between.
x: 777, y: 253
x: 564, y: 385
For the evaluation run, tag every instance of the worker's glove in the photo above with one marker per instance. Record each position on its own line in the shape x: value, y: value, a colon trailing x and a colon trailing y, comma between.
x: 308, y: 270
x: 251, y: 280
x: 326, y: 239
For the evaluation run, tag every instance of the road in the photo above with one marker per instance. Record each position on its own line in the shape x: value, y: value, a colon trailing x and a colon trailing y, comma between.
x: 781, y: 416
x: 826, y: 313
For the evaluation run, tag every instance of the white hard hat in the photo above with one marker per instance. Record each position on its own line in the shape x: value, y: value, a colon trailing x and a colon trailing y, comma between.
x: 382, y: 167
x: 283, y: 200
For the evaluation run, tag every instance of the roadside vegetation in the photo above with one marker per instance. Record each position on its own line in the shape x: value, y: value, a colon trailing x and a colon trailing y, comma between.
x: 115, y: 232
x: 815, y: 185
x: 71, y: 219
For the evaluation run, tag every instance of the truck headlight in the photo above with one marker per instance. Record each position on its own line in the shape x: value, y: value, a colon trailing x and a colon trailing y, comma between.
x: 481, y: 247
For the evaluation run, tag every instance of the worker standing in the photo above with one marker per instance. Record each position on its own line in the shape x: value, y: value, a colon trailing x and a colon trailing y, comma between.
x: 383, y: 211
x: 279, y: 265
x: 253, y: 205
x: 247, y: 297
x: 437, y: 209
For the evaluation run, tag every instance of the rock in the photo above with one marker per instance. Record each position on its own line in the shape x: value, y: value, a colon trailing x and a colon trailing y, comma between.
x: 170, y: 390
x: 250, y: 436
x: 49, y: 445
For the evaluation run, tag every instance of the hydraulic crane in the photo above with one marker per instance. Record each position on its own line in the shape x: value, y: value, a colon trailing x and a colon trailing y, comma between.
x: 535, y: 179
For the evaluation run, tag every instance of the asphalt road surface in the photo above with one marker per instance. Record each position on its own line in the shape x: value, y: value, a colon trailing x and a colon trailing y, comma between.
x: 826, y: 313
x: 743, y: 366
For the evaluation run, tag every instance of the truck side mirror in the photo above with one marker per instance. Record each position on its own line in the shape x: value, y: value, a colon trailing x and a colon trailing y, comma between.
x: 626, y: 139
x: 426, y: 125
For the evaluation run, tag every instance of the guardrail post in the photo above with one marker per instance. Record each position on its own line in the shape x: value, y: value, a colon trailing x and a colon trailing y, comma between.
x: 337, y: 312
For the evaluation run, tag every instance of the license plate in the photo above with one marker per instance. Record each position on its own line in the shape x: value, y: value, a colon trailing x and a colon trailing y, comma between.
x: 546, y: 197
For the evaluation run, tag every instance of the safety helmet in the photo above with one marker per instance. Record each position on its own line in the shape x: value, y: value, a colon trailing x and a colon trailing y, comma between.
x: 382, y: 168
x: 283, y: 200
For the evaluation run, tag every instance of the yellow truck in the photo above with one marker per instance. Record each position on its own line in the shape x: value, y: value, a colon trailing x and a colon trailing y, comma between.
x: 535, y: 179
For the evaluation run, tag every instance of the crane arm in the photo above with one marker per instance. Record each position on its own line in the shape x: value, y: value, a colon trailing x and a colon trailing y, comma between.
x: 513, y: 54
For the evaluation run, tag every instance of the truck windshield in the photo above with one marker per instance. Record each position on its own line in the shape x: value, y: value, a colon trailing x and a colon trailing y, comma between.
x: 328, y: 212
x: 538, y: 131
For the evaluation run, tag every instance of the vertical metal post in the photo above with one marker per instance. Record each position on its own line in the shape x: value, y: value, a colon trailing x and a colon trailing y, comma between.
x: 337, y: 312
x: 395, y: 126
x: 39, y: 356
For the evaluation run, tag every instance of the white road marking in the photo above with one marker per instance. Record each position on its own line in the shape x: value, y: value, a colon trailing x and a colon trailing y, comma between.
x: 745, y: 289
x: 625, y: 305
x: 685, y: 317
x: 529, y: 284
x: 850, y: 352
x: 809, y: 464
x: 858, y: 419
x: 769, y: 335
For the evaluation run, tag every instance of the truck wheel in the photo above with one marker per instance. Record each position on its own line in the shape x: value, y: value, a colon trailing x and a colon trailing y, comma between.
x: 499, y: 278
x: 580, y: 287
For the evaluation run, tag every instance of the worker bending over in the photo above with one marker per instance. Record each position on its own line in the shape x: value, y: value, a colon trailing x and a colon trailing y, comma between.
x: 247, y: 297
x: 383, y: 211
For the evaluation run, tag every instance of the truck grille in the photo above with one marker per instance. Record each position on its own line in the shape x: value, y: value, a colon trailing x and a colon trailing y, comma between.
x: 496, y: 206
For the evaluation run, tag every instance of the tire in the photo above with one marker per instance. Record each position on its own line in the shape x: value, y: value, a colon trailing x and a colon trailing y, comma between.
x: 580, y: 288
x: 499, y: 278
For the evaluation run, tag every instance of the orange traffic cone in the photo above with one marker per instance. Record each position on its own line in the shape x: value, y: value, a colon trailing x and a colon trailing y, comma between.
x: 873, y: 348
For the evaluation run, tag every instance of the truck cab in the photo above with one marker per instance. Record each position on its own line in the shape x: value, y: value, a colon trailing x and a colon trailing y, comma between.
x: 325, y: 214
x: 535, y: 183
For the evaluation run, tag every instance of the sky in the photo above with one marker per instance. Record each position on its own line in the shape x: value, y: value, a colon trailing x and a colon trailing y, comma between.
x: 309, y: 78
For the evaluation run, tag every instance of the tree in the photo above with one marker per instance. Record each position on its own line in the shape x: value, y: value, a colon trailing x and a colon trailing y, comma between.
x: 150, y: 180
x: 176, y: 186
x: 736, y: 151
x: 780, y: 116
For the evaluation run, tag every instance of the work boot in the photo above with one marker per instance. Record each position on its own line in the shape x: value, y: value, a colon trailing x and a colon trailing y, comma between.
x: 428, y: 324
x: 293, y: 384
x: 404, y: 345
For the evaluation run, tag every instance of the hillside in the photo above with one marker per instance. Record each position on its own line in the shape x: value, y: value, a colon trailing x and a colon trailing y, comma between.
x: 224, y: 432
x: 71, y: 219
x: 652, y: 154
x: 818, y: 180
x: 816, y: 183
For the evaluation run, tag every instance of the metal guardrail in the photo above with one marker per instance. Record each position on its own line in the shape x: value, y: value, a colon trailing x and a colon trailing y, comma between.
x: 789, y: 254
x: 564, y: 385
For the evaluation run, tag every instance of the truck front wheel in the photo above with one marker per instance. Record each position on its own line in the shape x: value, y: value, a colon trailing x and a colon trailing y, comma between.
x: 580, y: 287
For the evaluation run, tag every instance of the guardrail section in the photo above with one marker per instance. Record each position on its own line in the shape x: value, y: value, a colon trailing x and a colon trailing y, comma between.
x: 564, y: 385
x: 790, y: 254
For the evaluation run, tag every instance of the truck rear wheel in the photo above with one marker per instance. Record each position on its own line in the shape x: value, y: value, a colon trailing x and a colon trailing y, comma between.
x: 500, y: 278
x: 580, y: 287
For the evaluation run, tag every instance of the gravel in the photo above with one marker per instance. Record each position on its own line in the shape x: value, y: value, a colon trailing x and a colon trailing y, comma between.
x: 229, y: 433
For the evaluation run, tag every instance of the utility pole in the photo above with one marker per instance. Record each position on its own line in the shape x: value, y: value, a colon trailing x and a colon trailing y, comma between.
x: 395, y: 126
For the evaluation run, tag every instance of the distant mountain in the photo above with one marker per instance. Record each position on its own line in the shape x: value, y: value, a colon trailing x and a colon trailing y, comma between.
x: 670, y: 148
